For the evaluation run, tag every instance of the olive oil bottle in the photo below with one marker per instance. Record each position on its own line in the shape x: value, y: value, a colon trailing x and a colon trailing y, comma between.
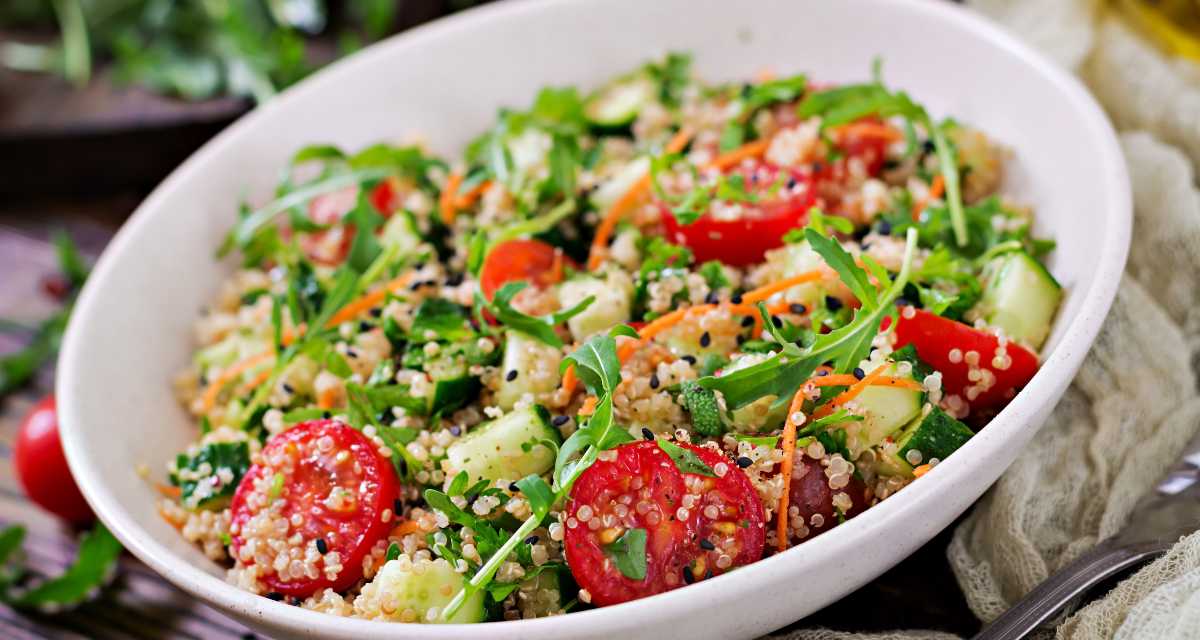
x: 1173, y: 24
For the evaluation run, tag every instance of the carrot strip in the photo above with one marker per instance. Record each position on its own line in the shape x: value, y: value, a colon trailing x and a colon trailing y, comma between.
x: 852, y: 393
x: 749, y: 150
x: 570, y: 381
x: 847, y: 380
x: 168, y: 491
x: 449, y: 197
x: 209, y: 397
x: 935, y: 192
x: 766, y: 291
x: 262, y: 377
x: 467, y: 199
x: 922, y: 470
x: 325, y: 399
x: 589, y: 406
x: 608, y: 224
x: 365, y: 302
x: 404, y: 528
x: 789, y: 457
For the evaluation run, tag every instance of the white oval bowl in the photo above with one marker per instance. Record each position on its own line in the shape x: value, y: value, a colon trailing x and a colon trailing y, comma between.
x: 131, y: 328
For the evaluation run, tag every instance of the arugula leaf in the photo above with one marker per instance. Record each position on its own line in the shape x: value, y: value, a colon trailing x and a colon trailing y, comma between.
x: 365, y: 247
x: 628, y: 553
x: 673, y: 75
x: 539, y: 327
x: 539, y: 494
x: 841, y: 261
x: 837, y: 417
x: 70, y: 262
x: 685, y: 460
x: 185, y: 473
x: 817, y: 221
x: 441, y: 318
x: 98, y: 553
x: 596, y: 364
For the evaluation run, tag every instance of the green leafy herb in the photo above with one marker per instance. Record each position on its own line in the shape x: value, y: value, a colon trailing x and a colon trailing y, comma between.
x: 628, y: 553
x: 685, y: 460
x: 442, y: 319
x: 209, y: 490
x: 837, y: 417
x: 539, y: 327
x: 94, y: 564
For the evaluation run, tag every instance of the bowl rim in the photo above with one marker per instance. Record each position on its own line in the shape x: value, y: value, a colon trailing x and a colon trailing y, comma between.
x: 1059, y: 367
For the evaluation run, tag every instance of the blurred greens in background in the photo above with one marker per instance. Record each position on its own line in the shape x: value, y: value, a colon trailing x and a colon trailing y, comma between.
x: 194, y: 49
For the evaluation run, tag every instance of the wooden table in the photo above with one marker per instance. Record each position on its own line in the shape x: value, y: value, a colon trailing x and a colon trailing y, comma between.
x: 918, y: 593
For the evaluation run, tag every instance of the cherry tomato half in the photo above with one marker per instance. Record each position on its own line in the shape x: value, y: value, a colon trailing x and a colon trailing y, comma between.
x: 811, y: 494
x: 42, y: 466
x: 330, y: 478
x: 536, y: 262
x: 330, y: 246
x: 642, y: 488
x: 784, y: 199
x: 936, y: 340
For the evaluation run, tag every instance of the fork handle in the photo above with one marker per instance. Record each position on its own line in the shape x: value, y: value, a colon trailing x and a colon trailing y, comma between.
x: 1049, y: 597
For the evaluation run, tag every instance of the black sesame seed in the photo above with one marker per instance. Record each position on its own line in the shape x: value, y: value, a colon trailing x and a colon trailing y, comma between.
x: 707, y: 545
x: 455, y: 430
x: 364, y: 326
x: 817, y: 166
x: 654, y: 380
x: 859, y: 373
x: 744, y: 462
x: 376, y: 312
x: 747, y: 321
x: 711, y: 298
x: 275, y: 595
x: 866, y: 246
x: 708, y: 574
x: 928, y: 147
x: 288, y: 389
x: 297, y: 601
x: 559, y: 421
x: 689, y: 359
x: 351, y: 353
x: 322, y: 546
x: 512, y: 486
x: 418, y: 266
x: 736, y: 299
x: 791, y: 183
x: 647, y: 434
x: 532, y: 540
x: 511, y: 375
x: 705, y: 339
x: 326, y: 415
x: 775, y: 320
x: 823, y: 372
x: 884, y: 228
x: 902, y: 302
x: 832, y: 303
x: 416, y: 285
x: 741, y: 340
x: 797, y: 308
x: 397, y: 505
x: 454, y: 279
x: 687, y: 575
x: 249, y: 636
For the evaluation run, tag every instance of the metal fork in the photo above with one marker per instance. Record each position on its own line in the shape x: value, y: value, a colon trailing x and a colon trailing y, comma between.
x: 1164, y: 515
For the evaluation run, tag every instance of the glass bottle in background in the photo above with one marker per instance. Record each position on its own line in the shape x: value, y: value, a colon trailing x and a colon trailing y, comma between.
x: 1173, y: 24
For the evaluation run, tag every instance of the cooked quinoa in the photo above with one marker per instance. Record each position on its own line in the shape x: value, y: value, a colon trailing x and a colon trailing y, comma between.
x: 628, y: 341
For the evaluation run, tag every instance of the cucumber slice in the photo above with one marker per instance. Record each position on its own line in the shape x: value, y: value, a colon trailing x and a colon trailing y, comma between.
x: 508, y: 448
x: 1020, y: 297
x: 452, y: 385
x: 936, y: 435
x: 535, y: 364
x: 401, y: 232
x: 418, y: 585
x: 614, y: 297
x: 762, y: 415
x: 619, y: 184
x: 618, y: 103
x: 887, y: 410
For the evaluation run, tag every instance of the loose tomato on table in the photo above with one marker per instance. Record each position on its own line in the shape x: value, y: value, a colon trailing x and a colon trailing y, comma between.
x: 536, y: 262
x: 784, y: 199
x: 42, y: 466
x: 947, y: 345
x: 642, y: 488
x: 330, y: 478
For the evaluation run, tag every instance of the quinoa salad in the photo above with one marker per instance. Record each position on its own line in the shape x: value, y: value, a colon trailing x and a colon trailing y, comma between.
x: 631, y: 339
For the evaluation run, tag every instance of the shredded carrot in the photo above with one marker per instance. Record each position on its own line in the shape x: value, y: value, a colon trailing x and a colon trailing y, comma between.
x: 467, y: 199
x: 847, y: 380
x: 449, y: 198
x: 209, y: 397
x: 168, y: 491
x: 752, y: 149
x: 636, y: 191
x: 935, y: 192
x: 325, y: 399
x: 404, y: 528
x: 766, y: 291
x: 365, y: 302
x: 922, y: 470
x: 557, y: 267
x: 589, y: 406
x: 852, y: 393
x: 253, y: 383
x: 789, y: 457
x: 570, y: 381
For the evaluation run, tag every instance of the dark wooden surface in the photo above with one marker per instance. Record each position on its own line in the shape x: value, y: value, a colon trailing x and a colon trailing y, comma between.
x: 918, y: 593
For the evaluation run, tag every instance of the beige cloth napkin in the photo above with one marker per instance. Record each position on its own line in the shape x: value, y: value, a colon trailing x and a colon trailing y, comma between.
x: 1134, y: 404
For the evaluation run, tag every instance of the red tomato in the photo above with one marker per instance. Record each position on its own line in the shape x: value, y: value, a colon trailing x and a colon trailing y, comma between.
x: 811, y: 494
x: 333, y: 478
x: 936, y: 338
x: 760, y: 227
x: 42, y: 466
x: 330, y: 246
x: 643, y: 489
x: 533, y: 261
